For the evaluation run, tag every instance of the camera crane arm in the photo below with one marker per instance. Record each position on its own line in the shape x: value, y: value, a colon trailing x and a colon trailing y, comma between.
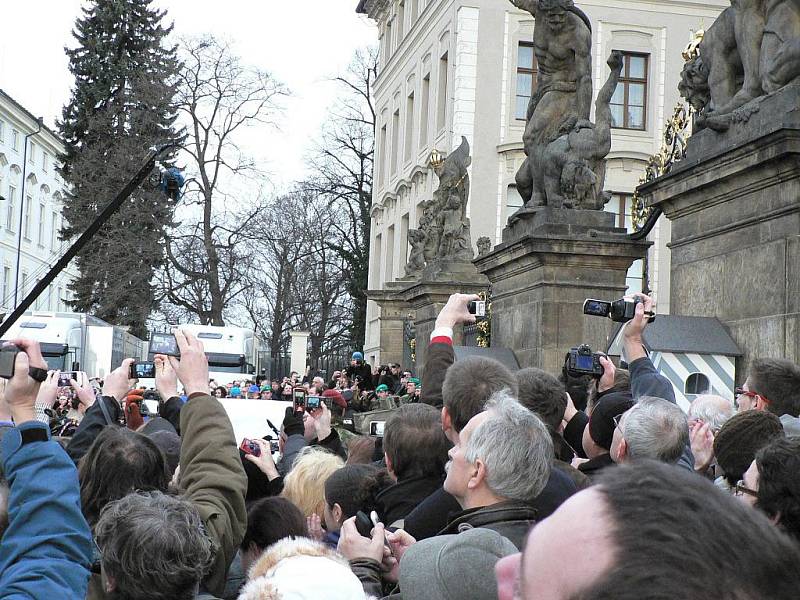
x: 87, y: 235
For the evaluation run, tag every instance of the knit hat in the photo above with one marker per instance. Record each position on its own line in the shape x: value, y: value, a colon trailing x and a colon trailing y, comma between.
x: 382, y: 388
x: 741, y: 437
x: 157, y: 424
x: 336, y: 397
x: 253, y: 389
x: 450, y: 567
x: 358, y: 356
x: 413, y: 380
x: 601, y: 423
x: 170, y: 444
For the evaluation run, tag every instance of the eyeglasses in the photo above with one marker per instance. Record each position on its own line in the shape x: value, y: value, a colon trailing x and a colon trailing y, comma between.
x: 617, y: 420
x: 742, y: 489
x: 742, y: 392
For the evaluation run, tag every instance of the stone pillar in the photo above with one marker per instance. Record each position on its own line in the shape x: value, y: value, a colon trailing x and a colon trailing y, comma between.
x: 735, y: 215
x: 427, y: 298
x: 299, y: 350
x: 394, y: 312
x: 549, y: 262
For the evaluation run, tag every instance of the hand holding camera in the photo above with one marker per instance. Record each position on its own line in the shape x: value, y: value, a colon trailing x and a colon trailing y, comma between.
x: 263, y: 459
x: 20, y: 360
x: 118, y: 382
x: 192, y: 368
x: 456, y: 311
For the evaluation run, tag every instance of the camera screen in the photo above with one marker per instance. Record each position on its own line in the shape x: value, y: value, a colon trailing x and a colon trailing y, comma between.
x: 596, y: 308
x: 376, y: 428
x: 164, y: 343
x: 144, y: 370
x: 584, y: 362
x: 65, y: 376
x: 312, y: 402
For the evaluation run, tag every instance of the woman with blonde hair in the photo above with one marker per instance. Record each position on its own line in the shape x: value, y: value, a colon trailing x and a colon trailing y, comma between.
x: 304, y: 486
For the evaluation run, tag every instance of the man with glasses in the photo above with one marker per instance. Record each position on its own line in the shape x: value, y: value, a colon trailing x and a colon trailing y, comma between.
x: 773, y: 384
x: 653, y: 428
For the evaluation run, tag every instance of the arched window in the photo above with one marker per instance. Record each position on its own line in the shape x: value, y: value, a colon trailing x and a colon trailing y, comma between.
x: 697, y: 383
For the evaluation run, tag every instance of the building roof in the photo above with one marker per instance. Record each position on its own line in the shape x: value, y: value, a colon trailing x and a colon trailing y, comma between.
x: 28, y: 113
x: 684, y: 335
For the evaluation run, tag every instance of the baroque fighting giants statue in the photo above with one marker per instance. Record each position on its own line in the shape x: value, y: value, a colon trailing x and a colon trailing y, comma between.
x: 444, y: 227
x: 752, y: 49
x: 565, y: 166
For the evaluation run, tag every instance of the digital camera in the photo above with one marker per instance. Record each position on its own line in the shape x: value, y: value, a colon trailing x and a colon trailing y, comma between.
x: 619, y: 311
x: 582, y: 361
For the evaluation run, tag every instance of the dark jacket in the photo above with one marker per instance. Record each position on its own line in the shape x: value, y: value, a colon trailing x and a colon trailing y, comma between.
x: 365, y: 372
x: 438, y: 359
x: 592, y: 468
x: 511, y: 519
x: 433, y: 514
x: 296, y: 442
x: 398, y: 500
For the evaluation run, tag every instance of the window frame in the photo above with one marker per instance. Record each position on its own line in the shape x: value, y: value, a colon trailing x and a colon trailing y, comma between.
x: 533, y: 72
x: 695, y: 378
x: 625, y: 80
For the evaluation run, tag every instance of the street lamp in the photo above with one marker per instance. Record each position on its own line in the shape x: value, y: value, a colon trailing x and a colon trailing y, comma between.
x: 39, y: 123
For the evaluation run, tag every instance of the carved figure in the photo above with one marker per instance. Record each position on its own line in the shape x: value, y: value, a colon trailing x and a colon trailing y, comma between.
x: 484, y: 245
x: 416, y: 260
x: 752, y: 49
x: 574, y: 163
x: 562, y: 39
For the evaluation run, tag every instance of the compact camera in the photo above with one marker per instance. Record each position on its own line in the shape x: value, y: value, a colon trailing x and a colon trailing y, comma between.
x: 582, y: 361
x: 477, y: 308
x: 619, y: 311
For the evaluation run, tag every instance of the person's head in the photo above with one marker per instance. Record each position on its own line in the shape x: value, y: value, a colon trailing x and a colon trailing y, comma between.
x: 454, y: 566
x: 652, y: 530
x: 305, y: 483
x: 503, y: 453
x: 772, y: 384
x: 653, y: 428
x: 739, y: 439
x: 555, y: 13
x: 711, y: 409
x: 352, y: 489
x: 599, y: 434
x: 382, y: 391
x: 275, y: 386
x: 318, y: 383
x: 287, y: 389
x: 152, y: 546
x: 542, y: 394
x: 622, y: 383
x: 221, y: 392
x: 775, y: 478
x: 301, y: 568
x: 119, y: 462
x: 394, y: 369
x: 411, y: 386
x: 356, y: 359
x: 577, y: 387
x: 268, y: 521
x: 414, y: 443
x: 467, y: 387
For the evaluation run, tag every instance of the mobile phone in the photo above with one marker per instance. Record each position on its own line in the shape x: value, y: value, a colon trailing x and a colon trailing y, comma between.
x: 299, y: 399
x: 313, y: 403
x: 164, y: 343
x: 250, y: 447
x: 8, y: 356
x: 143, y: 370
x: 274, y: 446
x: 477, y: 308
x: 376, y: 428
x: 363, y: 524
x: 65, y: 376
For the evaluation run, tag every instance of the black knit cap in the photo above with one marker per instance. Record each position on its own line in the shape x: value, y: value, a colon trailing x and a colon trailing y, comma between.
x: 741, y: 437
x: 601, y: 423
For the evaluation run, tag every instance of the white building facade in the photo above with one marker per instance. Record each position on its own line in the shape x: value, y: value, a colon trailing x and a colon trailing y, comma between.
x: 31, y: 193
x: 454, y: 67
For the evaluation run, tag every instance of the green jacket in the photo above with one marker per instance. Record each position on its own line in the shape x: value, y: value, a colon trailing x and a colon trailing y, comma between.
x: 212, y: 478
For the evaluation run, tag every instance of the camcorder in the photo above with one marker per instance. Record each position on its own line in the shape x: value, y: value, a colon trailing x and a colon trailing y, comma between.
x: 619, y: 311
x: 582, y: 361
x: 8, y: 356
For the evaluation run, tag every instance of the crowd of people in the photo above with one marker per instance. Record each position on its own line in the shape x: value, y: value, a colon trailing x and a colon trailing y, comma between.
x: 485, y: 484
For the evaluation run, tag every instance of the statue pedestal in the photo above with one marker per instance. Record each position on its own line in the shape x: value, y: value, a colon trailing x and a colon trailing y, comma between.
x: 394, y: 312
x: 549, y: 262
x: 429, y: 295
x: 733, y: 204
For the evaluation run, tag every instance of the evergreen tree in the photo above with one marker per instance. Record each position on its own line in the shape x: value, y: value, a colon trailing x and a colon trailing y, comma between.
x: 121, y: 106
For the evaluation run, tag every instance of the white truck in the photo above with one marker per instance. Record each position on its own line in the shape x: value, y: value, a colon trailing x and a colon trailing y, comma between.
x: 78, y: 342
x: 232, y: 352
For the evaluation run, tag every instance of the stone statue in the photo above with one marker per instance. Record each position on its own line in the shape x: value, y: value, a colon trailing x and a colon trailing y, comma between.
x: 574, y: 165
x: 752, y: 49
x: 416, y: 260
x: 484, y: 246
x: 562, y: 40
x: 444, y: 230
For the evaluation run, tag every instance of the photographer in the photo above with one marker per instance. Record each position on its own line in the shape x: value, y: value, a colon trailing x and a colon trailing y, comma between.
x: 389, y: 375
x: 47, y: 546
x: 360, y: 372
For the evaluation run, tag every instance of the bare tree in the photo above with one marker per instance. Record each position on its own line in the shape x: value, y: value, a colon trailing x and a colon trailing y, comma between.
x: 344, y: 161
x: 218, y: 97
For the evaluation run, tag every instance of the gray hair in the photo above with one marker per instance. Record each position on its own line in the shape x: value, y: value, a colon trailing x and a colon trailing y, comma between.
x: 515, y: 446
x: 711, y: 409
x: 154, y: 546
x: 655, y: 428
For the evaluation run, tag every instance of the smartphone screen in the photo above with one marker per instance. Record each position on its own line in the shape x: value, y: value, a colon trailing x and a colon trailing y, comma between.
x: 299, y: 399
x: 164, y: 343
x: 143, y: 370
x: 312, y: 403
x: 65, y: 376
x: 376, y: 428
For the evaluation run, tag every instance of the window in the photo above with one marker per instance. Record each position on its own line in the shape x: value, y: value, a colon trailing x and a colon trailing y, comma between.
x: 441, y: 116
x: 59, y: 296
x: 23, y: 285
x: 15, y: 140
x: 389, y: 269
x: 383, y: 156
x: 45, y: 160
x: 395, y: 139
x: 50, y: 297
x: 409, y: 126
x: 621, y: 205
x: 32, y: 154
x: 401, y: 22
x: 53, y: 230
x: 513, y: 202
x: 387, y: 36
x: 12, y: 198
x: 2, y: 131
x: 6, y: 300
x: 26, y: 222
x: 526, y: 79
x: 629, y: 102
x: 634, y: 278
x: 404, y: 238
x: 697, y: 383
x: 42, y: 219
x: 423, y: 111
x: 413, y: 12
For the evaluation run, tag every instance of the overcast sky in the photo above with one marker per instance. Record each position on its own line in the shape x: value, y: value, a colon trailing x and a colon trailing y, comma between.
x: 303, y: 43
